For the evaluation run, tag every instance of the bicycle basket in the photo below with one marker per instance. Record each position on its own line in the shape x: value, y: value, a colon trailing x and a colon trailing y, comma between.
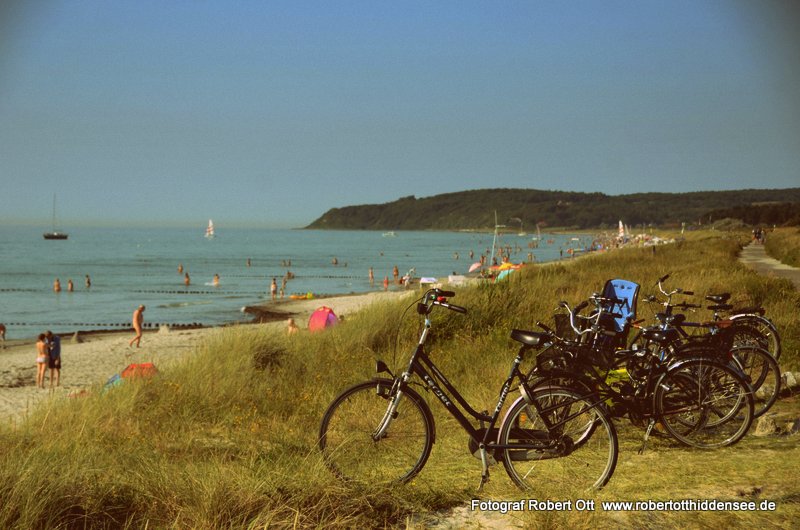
x: 562, y: 327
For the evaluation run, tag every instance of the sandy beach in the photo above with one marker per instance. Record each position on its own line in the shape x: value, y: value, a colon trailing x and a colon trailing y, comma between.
x: 99, y: 356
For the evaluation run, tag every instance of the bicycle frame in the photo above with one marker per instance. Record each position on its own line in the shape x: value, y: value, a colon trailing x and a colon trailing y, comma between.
x: 422, y: 366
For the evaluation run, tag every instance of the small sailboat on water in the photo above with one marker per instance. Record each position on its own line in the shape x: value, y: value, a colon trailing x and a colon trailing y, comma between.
x: 55, y: 234
x: 210, y: 230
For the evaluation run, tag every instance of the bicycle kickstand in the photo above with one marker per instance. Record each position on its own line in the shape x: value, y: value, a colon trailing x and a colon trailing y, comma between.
x: 650, y: 426
x: 485, y: 467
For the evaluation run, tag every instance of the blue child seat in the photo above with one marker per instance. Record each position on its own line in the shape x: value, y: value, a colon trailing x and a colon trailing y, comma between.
x: 626, y: 292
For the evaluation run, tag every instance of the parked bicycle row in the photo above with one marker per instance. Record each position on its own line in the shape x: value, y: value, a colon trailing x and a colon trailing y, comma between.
x: 702, y: 383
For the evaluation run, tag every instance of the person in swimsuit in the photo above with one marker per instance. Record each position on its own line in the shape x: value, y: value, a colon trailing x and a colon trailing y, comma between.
x: 57, y: 285
x: 3, y: 336
x: 138, y: 321
x: 41, y: 360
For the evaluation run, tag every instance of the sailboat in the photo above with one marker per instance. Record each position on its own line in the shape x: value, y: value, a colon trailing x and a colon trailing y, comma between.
x: 210, y: 229
x: 55, y: 234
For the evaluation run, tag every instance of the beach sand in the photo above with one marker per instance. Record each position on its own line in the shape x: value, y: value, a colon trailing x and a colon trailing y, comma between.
x: 100, y: 356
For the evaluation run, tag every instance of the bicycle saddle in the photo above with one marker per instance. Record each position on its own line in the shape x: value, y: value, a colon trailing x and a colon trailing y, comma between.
x: 529, y: 338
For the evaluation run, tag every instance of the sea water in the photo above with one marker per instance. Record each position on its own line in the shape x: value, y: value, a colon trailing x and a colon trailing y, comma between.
x: 129, y: 267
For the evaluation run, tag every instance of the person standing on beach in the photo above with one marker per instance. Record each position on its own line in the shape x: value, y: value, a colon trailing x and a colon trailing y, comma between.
x: 273, y: 288
x: 70, y: 285
x: 41, y: 360
x: 54, y: 357
x: 138, y: 321
x: 88, y: 282
x: 186, y: 280
x: 57, y: 286
x: 385, y: 283
x: 3, y: 336
x: 180, y: 268
x: 395, y: 273
x: 371, y: 276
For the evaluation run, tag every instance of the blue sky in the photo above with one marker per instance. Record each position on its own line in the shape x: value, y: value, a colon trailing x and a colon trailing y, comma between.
x: 270, y: 113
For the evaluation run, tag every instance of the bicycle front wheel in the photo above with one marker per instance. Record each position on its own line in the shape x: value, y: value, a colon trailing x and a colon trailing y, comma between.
x: 348, y: 438
x: 558, y: 437
x: 704, y: 404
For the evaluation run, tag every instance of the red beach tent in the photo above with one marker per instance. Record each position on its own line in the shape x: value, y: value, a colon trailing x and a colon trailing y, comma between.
x: 321, y: 319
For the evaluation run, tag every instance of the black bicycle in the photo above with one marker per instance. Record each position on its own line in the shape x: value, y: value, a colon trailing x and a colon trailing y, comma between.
x: 736, y: 341
x: 383, y: 431
x: 698, y: 399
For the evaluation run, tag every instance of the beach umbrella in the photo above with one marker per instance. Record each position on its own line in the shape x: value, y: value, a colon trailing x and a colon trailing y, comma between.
x: 475, y: 266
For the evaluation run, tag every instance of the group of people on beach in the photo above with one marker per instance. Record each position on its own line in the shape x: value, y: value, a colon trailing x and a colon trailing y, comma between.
x: 48, y: 356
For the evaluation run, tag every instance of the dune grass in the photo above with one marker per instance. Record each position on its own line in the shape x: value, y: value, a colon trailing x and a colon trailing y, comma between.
x: 227, y: 438
x: 783, y: 244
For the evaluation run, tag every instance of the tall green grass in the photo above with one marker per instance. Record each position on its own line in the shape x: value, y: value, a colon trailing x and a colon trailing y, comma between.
x: 228, y: 438
x: 783, y: 244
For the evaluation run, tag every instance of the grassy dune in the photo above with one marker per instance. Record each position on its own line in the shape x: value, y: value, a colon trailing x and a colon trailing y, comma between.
x: 227, y: 439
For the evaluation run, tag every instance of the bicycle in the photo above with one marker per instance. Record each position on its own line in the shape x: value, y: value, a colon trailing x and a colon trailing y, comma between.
x: 382, y: 431
x: 700, y: 401
x: 734, y: 340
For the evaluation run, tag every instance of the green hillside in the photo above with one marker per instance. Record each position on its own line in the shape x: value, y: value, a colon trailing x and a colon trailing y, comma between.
x: 475, y: 209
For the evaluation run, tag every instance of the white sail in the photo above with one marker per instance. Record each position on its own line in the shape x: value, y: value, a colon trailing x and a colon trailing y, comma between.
x: 210, y: 229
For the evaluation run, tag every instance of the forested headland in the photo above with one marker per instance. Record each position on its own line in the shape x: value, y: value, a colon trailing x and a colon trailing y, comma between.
x: 523, y: 209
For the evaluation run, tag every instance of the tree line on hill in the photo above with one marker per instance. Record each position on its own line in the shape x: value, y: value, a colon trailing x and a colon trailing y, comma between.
x: 523, y: 209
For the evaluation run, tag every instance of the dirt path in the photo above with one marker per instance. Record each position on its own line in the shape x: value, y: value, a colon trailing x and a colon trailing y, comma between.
x: 755, y: 257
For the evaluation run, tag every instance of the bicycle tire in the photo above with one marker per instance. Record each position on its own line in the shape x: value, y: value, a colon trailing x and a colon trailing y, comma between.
x: 765, y: 327
x: 348, y: 425
x: 763, y: 373
x: 703, y: 403
x: 581, y: 449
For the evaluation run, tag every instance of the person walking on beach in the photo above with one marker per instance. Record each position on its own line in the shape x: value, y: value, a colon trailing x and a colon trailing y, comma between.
x: 54, y: 357
x: 138, y: 321
x: 273, y: 288
x: 41, y: 360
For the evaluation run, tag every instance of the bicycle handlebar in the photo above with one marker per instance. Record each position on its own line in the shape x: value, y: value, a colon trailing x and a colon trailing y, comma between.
x: 439, y: 297
x: 451, y: 307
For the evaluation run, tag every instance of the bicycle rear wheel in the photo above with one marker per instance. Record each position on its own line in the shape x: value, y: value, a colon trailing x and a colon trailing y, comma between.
x: 761, y: 370
x: 558, y: 437
x: 350, y: 447
x: 767, y: 333
x: 705, y: 404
